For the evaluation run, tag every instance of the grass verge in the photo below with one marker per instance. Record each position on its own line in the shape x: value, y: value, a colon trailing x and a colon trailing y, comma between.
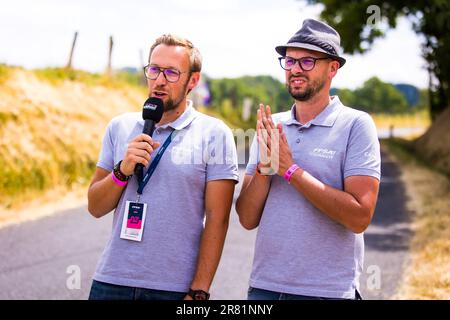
x: 51, y: 131
x: 428, y: 191
x: 117, y: 80
x: 4, y: 72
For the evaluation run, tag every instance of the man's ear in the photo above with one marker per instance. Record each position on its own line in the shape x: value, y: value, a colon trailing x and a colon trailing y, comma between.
x: 194, y: 80
x: 334, y: 67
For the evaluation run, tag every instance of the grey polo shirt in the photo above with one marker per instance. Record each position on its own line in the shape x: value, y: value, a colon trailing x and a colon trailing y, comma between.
x: 299, y: 250
x: 203, y: 150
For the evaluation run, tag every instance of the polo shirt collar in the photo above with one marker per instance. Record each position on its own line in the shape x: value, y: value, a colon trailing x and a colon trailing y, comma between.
x: 184, y: 120
x: 326, y: 118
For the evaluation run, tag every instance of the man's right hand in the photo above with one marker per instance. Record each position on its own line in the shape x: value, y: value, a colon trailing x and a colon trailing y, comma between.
x: 139, y: 151
x: 268, y: 139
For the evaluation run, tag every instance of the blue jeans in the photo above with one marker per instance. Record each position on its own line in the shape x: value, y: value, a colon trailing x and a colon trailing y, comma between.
x: 261, y: 294
x: 107, y: 291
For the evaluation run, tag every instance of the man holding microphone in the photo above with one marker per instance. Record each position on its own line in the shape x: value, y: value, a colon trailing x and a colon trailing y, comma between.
x: 159, y: 247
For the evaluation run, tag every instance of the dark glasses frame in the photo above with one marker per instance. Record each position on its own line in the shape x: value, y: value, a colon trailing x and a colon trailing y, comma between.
x: 299, y: 61
x: 163, y: 70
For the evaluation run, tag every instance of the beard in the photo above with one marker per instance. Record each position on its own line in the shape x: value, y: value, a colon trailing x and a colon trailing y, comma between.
x: 173, y: 102
x: 309, y: 92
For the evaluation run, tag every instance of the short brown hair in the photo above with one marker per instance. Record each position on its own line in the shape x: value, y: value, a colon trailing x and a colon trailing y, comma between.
x: 195, y: 58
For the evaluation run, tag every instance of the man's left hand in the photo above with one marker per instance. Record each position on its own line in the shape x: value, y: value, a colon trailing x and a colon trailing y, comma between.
x: 277, y: 146
x: 285, y: 153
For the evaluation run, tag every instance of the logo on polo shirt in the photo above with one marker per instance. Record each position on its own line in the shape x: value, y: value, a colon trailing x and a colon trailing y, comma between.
x: 322, y: 153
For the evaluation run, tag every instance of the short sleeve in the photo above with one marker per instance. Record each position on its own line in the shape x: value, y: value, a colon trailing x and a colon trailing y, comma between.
x: 363, y: 149
x: 106, y: 158
x: 222, y: 160
x: 253, y: 157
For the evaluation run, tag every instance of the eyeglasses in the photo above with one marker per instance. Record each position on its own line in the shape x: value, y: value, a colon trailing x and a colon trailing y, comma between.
x: 305, y: 63
x: 171, y: 74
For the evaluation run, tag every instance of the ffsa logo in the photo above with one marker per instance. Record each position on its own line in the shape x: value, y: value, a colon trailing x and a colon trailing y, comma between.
x: 323, y: 153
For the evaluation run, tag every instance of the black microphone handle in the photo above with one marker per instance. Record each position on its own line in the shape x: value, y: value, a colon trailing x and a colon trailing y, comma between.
x: 149, y: 127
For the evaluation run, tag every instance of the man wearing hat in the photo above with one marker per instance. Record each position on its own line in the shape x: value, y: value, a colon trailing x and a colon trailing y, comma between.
x: 325, y: 157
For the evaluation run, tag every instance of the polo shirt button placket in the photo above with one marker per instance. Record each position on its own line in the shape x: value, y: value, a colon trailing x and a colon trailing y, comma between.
x: 300, y: 131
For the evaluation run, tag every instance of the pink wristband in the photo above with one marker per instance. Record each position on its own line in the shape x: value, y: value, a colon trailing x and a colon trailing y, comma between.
x: 289, y: 172
x: 117, y: 181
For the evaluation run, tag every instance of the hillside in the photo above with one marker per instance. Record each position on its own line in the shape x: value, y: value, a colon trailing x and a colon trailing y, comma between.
x: 51, y: 129
x: 434, y: 145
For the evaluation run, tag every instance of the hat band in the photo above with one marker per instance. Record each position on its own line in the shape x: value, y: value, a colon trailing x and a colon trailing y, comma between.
x: 314, y: 41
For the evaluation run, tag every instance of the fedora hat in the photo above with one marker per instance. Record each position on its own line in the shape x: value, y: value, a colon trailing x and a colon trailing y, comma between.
x: 317, y: 36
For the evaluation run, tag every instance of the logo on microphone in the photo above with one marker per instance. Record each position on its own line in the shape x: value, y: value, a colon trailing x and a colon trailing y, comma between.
x: 150, y: 106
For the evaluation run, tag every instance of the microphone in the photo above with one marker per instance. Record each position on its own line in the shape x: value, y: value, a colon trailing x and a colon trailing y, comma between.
x: 151, y: 113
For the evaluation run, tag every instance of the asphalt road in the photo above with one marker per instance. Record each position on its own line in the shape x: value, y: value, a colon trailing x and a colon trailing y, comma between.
x: 42, y: 259
x: 387, y: 238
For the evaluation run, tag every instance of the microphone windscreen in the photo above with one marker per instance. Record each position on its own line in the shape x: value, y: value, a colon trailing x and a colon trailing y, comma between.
x: 153, y: 109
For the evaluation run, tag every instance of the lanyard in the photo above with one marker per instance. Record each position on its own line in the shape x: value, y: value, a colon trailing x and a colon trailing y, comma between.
x: 142, y: 182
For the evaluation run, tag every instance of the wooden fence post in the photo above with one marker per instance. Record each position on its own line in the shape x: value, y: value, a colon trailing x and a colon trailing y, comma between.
x: 109, y: 68
x: 69, y: 63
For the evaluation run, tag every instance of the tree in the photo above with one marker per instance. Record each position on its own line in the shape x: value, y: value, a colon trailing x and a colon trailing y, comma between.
x: 378, y: 96
x: 374, y: 96
x: 423, y: 100
x: 430, y: 18
x: 347, y: 97
x: 260, y: 89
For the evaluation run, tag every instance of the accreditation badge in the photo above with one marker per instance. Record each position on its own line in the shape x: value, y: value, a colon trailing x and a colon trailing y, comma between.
x: 133, y: 221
